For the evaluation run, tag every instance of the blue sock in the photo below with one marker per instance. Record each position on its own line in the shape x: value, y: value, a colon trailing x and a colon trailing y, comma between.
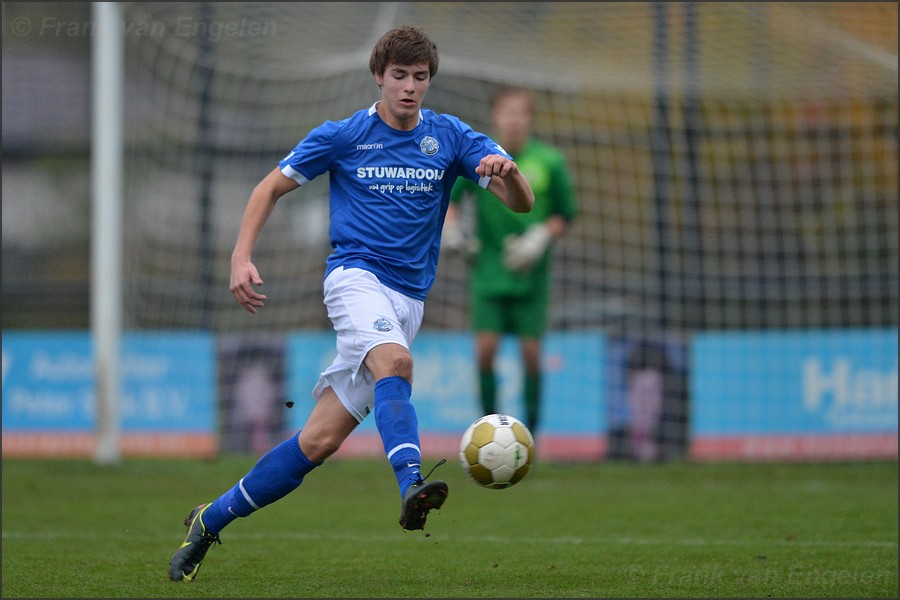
x: 395, y: 418
x: 273, y: 477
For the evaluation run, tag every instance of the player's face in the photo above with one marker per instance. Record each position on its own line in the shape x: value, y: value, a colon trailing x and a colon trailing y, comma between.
x: 512, y: 121
x: 403, y: 89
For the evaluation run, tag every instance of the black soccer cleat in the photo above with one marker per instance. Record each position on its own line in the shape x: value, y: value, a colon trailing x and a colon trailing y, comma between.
x: 420, y: 498
x: 185, y: 563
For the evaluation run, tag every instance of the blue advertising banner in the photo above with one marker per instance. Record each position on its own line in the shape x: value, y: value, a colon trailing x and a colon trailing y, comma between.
x: 308, y: 354
x: 794, y: 382
x: 445, y: 390
x: 168, y: 386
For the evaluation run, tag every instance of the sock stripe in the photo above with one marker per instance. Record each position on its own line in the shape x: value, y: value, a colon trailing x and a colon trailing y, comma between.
x: 395, y: 449
x: 246, y: 495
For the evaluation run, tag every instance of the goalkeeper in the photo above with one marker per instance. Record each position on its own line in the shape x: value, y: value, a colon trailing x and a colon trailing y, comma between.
x: 510, y: 253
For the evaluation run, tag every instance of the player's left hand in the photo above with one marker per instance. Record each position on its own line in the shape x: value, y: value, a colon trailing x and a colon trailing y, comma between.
x: 496, y: 165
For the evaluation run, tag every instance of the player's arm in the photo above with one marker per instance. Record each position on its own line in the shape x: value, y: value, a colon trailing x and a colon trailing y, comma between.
x: 243, y: 272
x: 507, y: 182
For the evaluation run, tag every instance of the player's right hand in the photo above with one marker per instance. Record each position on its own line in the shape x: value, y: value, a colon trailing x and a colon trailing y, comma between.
x: 243, y: 277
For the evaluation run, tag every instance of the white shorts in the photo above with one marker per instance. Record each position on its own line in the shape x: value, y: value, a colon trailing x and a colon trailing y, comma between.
x: 365, y: 313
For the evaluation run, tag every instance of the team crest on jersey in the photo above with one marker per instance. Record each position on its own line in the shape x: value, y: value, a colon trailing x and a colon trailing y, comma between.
x: 383, y: 324
x: 429, y: 146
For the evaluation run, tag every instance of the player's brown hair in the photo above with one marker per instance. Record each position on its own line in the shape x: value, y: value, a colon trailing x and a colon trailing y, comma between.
x: 404, y: 45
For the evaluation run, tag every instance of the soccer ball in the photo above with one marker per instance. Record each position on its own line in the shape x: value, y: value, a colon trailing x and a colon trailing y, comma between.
x: 496, y: 451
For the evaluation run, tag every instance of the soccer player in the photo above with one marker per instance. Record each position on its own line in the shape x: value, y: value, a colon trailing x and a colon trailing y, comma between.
x: 511, y: 253
x: 391, y: 168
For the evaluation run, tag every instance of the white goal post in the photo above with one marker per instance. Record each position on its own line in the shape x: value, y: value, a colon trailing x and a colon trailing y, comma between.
x: 107, y: 160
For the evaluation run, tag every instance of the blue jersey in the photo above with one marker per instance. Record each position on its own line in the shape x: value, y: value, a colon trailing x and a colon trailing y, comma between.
x: 389, y: 190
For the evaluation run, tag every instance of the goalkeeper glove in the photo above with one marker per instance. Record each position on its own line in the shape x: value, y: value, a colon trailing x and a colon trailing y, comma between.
x: 521, y: 252
x: 456, y: 239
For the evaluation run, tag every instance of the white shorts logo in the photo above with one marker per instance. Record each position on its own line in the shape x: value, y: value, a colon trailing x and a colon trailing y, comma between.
x: 383, y: 324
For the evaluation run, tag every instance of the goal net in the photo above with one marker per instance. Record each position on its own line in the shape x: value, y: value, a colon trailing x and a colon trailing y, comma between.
x: 735, y: 166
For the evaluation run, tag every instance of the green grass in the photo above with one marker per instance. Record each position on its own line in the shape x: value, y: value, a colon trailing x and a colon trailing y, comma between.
x: 76, y: 529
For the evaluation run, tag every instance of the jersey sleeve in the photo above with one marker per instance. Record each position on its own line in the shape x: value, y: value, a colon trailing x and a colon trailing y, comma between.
x: 473, y: 147
x: 312, y: 155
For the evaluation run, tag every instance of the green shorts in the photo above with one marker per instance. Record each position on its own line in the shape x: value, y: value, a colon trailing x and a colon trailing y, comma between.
x: 522, y: 316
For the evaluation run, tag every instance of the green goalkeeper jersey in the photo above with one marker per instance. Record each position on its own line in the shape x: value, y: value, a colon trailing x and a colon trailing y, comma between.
x: 545, y: 168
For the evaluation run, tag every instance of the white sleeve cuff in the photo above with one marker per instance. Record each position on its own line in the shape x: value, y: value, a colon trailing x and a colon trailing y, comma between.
x: 289, y: 171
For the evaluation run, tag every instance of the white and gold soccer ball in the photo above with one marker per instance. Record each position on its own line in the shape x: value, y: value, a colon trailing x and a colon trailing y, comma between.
x: 496, y: 451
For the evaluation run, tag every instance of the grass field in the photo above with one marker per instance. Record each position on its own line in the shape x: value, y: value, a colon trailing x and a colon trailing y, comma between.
x: 76, y: 529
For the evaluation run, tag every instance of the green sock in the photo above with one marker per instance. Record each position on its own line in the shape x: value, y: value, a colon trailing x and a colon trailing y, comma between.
x: 487, y: 383
x: 532, y: 401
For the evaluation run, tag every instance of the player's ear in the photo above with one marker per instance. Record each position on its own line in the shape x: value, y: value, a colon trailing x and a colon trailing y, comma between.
x: 379, y: 79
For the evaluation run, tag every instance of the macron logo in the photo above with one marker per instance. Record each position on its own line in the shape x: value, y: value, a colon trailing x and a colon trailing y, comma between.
x: 375, y: 146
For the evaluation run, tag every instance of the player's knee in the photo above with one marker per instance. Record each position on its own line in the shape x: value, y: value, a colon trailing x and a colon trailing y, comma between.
x: 486, y: 362
x: 402, y: 366
x: 398, y: 364
x: 320, y: 449
x: 390, y: 360
x: 321, y: 445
